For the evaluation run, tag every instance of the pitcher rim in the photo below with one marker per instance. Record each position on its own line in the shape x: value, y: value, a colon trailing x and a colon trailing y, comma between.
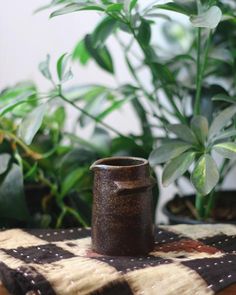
x: 99, y: 164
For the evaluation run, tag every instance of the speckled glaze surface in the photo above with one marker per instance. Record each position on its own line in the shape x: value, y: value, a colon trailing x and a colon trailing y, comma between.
x: 122, y: 207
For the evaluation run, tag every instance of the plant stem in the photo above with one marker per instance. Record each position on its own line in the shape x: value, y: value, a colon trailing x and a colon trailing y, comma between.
x: 200, y: 206
x: 149, y: 63
x: 198, y: 78
x: 200, y: 70
x: 29, y: 152
x: 211, y: 203
x: 91, y: 116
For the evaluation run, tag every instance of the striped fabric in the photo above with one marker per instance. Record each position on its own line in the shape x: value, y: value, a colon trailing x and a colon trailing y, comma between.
x: 186, y: 260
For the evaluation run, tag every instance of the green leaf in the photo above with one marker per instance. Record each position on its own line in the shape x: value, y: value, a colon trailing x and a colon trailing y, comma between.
x: 144, y: 32
x: 16, y: 93
x: 199, y: 125
x: 164, y: 73
x: 226, y: 149
x: 44, y: 68
x: 59, y: 116
x: 103, y: 31
x: 4, y: 162
x: 178, y: 7
x: 101, y: 55
x: 207, y: 19
x: 75, y: 7
x: 221, y: 120
x: 12, y: 199
x: 226, y: 134
x: 31, y: 124
x: 94, y: 108
x: 177, y: 167
x: 19, y: 100
x: 62, y: 72
x: 71, y: 180
x: 116, y: 7
x: 80, y: 52
x: 132, y: 5
x: 183, y: 132
x: 31, y: 173
x: 61, y: 64
x: 205, y: 175
x: 101, y: 139
x: 11, y: 107
x: 226, y: 98
x: 114, y: 106
x: 77, y: 157
x: 167, y: 152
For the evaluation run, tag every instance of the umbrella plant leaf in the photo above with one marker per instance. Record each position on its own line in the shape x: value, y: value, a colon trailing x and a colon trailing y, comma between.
x: 4, y: 162
x: 183, y: 132
x: 205, y: 175
x: 226, y: 149
x: 221, y: 120
x: 226, y: 134
x: 223, y: 97
x: 167, y: 152
x: 207, y: 19
x: 199, y: 125
x: 177, y: 167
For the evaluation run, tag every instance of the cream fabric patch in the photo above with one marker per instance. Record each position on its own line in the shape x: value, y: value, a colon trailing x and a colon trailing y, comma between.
x: 77, y: 275
x: 167, y: 279
x: 14, y: 238
x: 205, y: 230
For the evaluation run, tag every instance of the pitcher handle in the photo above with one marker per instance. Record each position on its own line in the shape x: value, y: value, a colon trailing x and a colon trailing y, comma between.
x: 130, y: 187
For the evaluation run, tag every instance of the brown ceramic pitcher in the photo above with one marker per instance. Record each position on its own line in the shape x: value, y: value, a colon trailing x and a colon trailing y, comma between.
x: 122, y: 207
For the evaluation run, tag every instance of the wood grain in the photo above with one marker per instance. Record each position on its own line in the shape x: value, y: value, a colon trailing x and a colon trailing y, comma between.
x: 3, y: 290
x: 231, y: 290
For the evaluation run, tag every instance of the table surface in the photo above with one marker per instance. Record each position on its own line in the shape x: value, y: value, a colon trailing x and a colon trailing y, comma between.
x: 187, y: 259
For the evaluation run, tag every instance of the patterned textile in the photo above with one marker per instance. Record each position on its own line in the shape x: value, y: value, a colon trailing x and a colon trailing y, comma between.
x: 186, y: 260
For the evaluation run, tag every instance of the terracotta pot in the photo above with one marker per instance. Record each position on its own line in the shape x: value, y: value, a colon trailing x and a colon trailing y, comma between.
x: 122, y: 207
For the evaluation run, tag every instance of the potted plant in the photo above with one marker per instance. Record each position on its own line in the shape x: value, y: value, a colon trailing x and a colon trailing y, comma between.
x: 191, y: 93
x: 38, y: 174
x: 45, y: 165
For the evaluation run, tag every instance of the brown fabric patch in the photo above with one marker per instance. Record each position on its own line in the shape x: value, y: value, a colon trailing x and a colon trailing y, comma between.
x: 222, y: 242
x: 127, y: 264
x: 186, y: 246
x: 61, y: 235
x: 217, y: 272
x: 23, y: 280
x: 39, y: 254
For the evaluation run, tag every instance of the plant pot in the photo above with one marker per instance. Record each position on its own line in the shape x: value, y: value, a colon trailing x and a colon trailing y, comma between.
x: 224, y: 212
x: 122, y: 207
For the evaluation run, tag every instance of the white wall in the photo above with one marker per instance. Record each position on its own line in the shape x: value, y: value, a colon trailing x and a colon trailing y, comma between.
x: 25, y: 39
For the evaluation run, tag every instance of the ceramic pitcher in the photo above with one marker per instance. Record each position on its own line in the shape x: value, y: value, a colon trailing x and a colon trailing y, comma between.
x: 122, y: 207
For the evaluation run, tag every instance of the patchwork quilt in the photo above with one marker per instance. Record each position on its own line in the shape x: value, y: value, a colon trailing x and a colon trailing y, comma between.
x: 186, y: 260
